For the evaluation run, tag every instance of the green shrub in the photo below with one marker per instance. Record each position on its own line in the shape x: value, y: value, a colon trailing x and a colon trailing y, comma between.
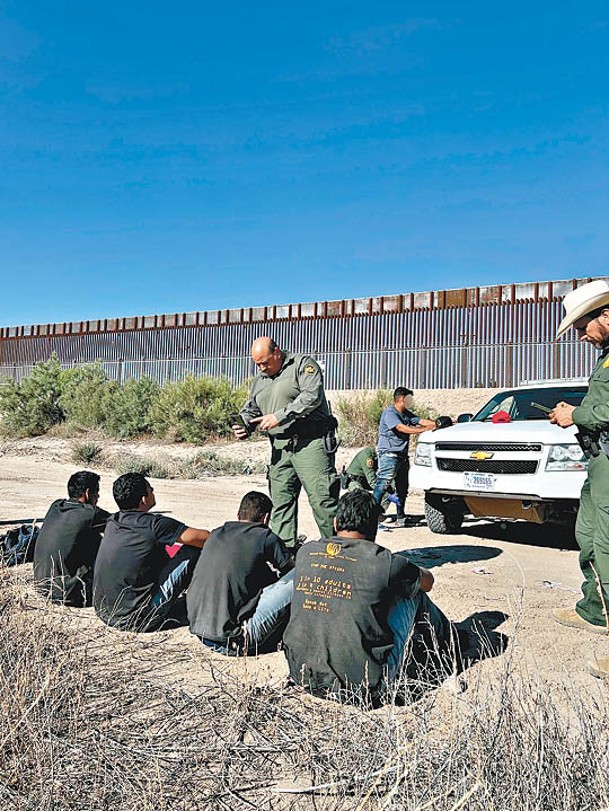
x: 195, y: 409
x: 86, y: 453
x: 31, y: 407
x: 127, y: 407
x: 208, y: 463
x: 83, y: 397
x: 358, y: 416
x: 132, y: 463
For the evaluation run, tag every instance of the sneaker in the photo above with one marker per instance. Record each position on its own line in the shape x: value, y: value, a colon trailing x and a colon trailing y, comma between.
x: 406, y: 521
x: 598, y: 666
x: 570, y: 618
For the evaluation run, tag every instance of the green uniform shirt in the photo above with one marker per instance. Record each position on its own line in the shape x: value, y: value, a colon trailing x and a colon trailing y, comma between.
x: 593, y: 413
x: 295, y: 395
x: 364, y: 465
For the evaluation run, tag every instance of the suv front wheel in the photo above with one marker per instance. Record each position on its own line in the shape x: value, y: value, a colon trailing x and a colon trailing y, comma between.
x: 443, y: 517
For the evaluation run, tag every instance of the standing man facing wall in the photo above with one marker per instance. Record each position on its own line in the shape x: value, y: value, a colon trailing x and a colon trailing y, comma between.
x: 396, y: 425
x: 587, y: 310
x: 288, y: 402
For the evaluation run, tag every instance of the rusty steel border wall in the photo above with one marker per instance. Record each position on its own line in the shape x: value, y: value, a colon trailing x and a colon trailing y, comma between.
x: 479, y: 336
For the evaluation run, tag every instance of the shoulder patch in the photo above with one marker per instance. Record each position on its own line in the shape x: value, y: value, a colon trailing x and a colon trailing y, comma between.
x: 310, y: 370
x: 606, y: 364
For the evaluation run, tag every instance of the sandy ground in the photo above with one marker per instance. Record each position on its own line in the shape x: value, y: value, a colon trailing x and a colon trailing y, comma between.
x: 507, y: 577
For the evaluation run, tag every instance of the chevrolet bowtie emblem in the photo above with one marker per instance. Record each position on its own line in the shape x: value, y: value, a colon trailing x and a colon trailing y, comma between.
x: 481, y: 455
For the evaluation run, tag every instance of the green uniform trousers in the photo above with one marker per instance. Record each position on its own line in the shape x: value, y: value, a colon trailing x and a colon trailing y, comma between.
x: 302, y: 463
x: 592, y: 533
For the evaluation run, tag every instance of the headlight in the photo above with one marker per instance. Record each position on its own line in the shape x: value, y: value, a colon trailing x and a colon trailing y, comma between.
x: 423, y: 454
x: 566, y: 457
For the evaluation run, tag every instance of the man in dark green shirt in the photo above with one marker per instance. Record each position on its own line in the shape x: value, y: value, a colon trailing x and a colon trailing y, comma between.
x: 287, y: 402
x: 587, y: 310
x: 356, y: 610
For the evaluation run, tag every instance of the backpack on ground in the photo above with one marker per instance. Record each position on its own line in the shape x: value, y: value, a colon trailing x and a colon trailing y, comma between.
x: 17, y: 545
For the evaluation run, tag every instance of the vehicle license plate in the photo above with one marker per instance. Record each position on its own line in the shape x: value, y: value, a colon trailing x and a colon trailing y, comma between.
x: 479, y: 481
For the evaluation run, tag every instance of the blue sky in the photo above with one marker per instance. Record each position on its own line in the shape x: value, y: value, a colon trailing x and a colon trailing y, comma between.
x: 160, y: 157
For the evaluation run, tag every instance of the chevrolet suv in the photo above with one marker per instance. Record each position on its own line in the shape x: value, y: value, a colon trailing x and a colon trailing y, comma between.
x: 516, y: 465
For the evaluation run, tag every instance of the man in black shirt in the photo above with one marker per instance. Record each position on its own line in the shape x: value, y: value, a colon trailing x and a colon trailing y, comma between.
x: 239, y: 597
x: 354, y: 609
x: 136, y: 583
x: 68, y: 541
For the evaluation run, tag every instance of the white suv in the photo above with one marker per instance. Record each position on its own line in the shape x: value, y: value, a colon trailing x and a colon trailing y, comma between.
x: 522, y: 468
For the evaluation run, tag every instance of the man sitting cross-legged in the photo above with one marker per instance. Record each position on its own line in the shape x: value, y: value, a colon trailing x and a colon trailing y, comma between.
x: 67, y: 544
x: 355, y: 607
x: 239, y: 597
x: 136, y: 583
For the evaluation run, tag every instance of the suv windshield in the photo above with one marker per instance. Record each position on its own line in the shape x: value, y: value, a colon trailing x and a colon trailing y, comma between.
x: 519, y: 402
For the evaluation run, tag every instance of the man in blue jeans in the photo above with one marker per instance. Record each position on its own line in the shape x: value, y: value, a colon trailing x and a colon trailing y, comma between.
x: 360, y: 613
x: 396, y: 425
x: 242, y: 586
x: 136, y: 582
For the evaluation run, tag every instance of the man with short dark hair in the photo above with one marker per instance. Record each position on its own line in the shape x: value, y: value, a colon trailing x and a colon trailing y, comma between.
x: 239, y: 597
x: 136, y: 583
x: 354, y: 608
x: 396, y: 425
x: 288, y: 402
x: 66, y: 547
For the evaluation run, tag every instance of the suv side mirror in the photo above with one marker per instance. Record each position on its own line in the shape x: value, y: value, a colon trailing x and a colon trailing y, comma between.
x: 464, y: 417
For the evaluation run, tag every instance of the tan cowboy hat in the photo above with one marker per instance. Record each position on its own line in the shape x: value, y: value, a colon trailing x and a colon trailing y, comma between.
x: 583, y: 300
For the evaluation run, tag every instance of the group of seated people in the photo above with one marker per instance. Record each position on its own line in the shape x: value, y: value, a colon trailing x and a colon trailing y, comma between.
x: 352, y: 618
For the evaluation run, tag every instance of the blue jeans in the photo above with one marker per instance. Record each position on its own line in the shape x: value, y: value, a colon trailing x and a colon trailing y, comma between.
x: 392, y: 466
x: 174, y: 578
x: 401, y: 619
x: 264, y: 629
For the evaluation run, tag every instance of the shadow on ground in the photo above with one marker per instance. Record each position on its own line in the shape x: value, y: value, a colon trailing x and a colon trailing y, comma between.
x: 483, y: 639
x: 452, y: 553
x: 550, y: 536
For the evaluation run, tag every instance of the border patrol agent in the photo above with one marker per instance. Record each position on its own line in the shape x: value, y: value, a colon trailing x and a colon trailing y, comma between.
x: 587, y: 310
x: 361, y: 472
x: 288, y: 402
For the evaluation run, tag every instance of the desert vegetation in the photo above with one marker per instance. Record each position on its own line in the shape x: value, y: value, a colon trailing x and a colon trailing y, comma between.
x: 79, y: 401
x: 96, y: 719
x: 74, y: 401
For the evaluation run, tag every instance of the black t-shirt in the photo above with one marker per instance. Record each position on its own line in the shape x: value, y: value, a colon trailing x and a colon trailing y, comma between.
x: 130, y: 559
x: 230, y: 574
x: 337, y: 636
x: 66, y: 548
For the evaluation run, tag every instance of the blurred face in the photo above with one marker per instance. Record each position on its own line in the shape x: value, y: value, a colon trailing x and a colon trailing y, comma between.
x: 593, y: 331
x: 268, y: 363
x: 402, y: 404
x: 91, y: 497
x: 149, y: 499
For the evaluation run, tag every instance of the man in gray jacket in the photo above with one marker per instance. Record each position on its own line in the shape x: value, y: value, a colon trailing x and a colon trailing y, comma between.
x: 287, y: 401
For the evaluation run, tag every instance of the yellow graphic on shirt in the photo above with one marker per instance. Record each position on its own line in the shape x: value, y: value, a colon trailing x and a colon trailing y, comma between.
x: 370, y: 462
x: 333, y: 549
x: 606, y: 364
x: 310, y: 370
x: 319, y: 591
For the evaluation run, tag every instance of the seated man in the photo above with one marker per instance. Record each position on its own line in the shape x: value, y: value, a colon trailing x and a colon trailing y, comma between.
x: 136, y: 583
x: 68, y: 541
x: 354, y: 609
x: 239, y: 597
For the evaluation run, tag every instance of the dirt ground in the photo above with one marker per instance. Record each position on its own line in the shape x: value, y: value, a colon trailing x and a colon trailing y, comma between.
x: 505, y: 578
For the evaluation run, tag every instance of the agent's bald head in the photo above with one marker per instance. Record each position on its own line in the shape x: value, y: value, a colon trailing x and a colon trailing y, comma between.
x: 267, y: 356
